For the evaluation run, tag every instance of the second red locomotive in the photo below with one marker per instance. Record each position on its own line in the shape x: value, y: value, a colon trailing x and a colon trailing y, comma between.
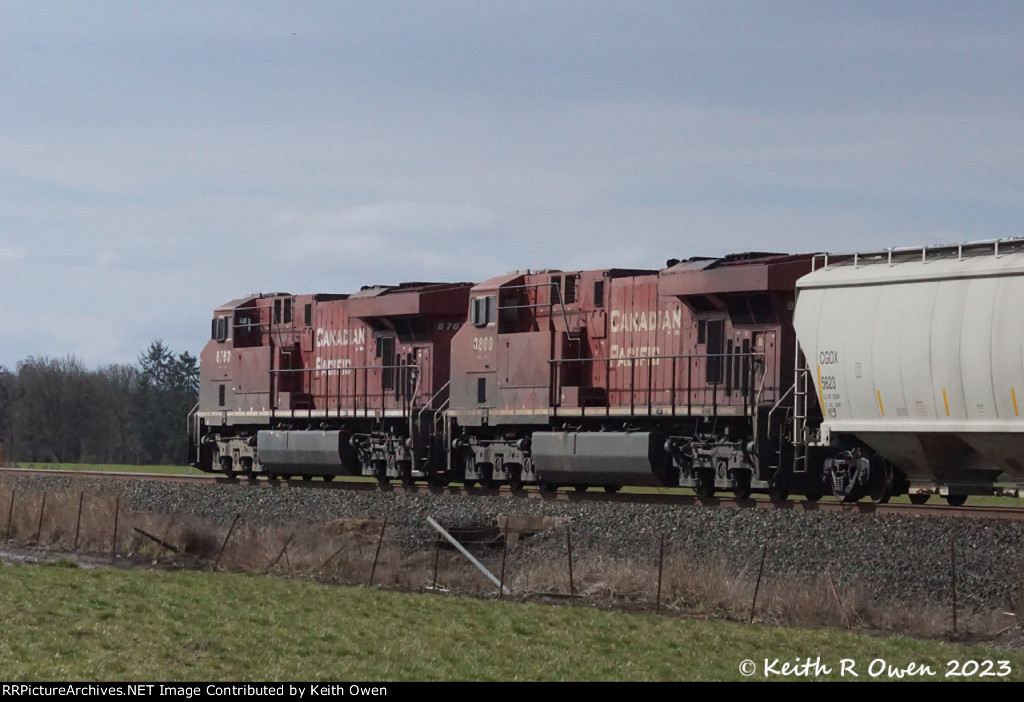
x: 629, y: 377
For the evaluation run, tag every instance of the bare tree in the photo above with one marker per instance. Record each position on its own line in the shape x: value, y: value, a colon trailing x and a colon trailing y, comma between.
x: 116, y: 409
x: 56, y: 414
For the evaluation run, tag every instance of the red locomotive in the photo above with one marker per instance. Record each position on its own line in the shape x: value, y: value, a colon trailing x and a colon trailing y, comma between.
x: 592, y: 378
x: 635, y: 377
x: 325, y: 385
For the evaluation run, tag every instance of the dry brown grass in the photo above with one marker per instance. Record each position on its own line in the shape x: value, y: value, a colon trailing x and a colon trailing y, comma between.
x: 710, y: 590
x: 345, y: 551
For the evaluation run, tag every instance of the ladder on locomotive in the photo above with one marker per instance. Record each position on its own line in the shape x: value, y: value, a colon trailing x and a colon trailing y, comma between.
x: 801, y: 379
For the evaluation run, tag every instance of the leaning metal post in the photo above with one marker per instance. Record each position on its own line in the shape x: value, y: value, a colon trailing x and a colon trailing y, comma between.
x: 469, y: 556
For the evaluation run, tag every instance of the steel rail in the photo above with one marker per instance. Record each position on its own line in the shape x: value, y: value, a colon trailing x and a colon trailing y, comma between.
x: 795, y: 505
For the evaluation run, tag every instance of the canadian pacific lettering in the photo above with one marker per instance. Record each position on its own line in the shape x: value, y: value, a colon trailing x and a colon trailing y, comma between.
x: 324, y: 365
x: 340, y: 337
x: 646, y: 321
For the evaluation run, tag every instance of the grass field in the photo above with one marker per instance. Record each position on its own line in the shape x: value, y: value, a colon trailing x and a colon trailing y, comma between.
x: 74, y: 624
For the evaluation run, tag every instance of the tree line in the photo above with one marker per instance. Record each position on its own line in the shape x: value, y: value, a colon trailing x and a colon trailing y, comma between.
x: 57, y: 410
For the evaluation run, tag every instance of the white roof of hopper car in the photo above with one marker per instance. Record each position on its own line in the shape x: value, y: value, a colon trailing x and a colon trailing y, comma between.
x: 982, y: 259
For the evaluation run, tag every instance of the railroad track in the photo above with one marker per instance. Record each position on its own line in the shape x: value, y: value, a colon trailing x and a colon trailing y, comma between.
x: 936, y: 510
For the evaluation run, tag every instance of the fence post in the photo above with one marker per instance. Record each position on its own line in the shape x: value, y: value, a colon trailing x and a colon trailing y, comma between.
x: 78, y: 521
x: 504, y: 552
x: 10, y: 515
x: 376, y: 556
x: 757, y: 586
x: 661, y: 563
x: 437, y: 554
x: 281, y: 553
x: 952, y: 555
x: 572, y: 585
x: 39, y: 526
x: 224, y: 545
x: 835, y: 593
x: 113, y: 541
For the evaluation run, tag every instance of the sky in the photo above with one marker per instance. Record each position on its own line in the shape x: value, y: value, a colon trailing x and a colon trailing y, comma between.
x: 158, y: 159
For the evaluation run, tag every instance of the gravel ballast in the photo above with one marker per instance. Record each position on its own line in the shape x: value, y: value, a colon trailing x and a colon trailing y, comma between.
x: 895, y: 558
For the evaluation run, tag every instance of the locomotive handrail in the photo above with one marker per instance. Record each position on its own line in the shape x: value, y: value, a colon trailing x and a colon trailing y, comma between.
x: 658, y: 357
x: 750, y: 360
x: 434, y: 397
x: 780, y: 401
x: 408, y: 397
x: 190, y: 420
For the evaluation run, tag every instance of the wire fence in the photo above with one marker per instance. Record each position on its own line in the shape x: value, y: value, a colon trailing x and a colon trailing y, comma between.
x: 556, y: 566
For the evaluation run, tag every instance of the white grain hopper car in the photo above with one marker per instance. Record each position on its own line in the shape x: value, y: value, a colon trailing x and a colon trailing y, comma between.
x: 917, y: 357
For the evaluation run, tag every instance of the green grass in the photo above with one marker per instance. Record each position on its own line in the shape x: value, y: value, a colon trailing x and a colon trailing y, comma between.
x: 76, y: 624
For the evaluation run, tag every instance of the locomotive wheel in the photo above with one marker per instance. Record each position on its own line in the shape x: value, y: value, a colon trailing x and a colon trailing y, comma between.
x: 919, y: 498
x: 307, y: 477
x: 545, y: 486
x: 741, y: 490
x: 328, y: 478
x: 406, y: 470
x: 515, y: 479
x: 880, y: 481
x: 777, y: 493
x: 705, y: 484
x: 956, y: 500
x: 612, y: 488
x: 380, y: 472
x: 487, y: 481
x: 580, y: 488
x: 468, y: 483
x: 815, y: 489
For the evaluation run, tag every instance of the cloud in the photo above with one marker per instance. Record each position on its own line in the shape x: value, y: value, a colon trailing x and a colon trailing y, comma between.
x: 158, y: 162
x: 10, y: 255
x: 408, y: 239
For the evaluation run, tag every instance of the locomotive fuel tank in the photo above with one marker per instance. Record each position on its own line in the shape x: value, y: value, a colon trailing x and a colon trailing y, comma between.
x: 919, y: 355
x: 601, y: 458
